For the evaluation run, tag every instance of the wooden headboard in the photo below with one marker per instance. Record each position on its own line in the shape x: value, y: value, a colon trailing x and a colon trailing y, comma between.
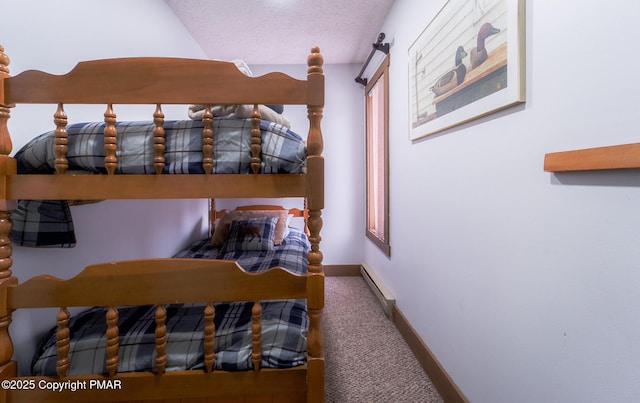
x: 215, y: 214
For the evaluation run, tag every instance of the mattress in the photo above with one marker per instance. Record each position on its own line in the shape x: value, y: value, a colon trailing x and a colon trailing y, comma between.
x: 49, y: 223
x: 284, y: 324
x: 283, y: 151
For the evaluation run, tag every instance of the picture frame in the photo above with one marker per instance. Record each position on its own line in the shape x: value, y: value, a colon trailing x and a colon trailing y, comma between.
x: 451, y: 79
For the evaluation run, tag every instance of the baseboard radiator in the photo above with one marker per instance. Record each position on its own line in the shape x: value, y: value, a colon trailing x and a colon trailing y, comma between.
x: 387, y: 301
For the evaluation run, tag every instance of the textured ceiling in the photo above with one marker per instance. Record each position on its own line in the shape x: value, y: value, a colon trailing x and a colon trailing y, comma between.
x: 283, y: 31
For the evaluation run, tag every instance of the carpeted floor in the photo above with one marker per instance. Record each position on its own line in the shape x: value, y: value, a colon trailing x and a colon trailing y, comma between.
x: 367, y: 360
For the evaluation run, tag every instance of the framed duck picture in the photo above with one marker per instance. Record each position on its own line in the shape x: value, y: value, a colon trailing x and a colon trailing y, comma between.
x: 467, y: 63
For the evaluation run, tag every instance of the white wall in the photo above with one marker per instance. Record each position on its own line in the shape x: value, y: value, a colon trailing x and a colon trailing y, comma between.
x: 54, y: 36
x: 343, y: 132
x: 524, y: 283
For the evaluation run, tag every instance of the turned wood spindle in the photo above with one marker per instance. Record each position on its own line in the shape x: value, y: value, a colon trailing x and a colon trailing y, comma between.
x: 305, y: 216
x: 4, y: 61
x: 110, y: 140
x: 5, y: 245
x: 5, y: 138
x: 256, y: 335
x: 6, y: 279
x: 315, y: 255
x: 207, y: 140
x: 209, y: 337
x: 61, y: 140
x: 161, y: 339
x: 158, y: 140
x: 113, y: 343
x: 62, y: 342
x: 256, y: 140
x: 6, y: 345
x: 315, y: 342
x: 314, y: 141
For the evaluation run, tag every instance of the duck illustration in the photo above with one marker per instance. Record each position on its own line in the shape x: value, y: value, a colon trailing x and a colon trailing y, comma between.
x: 479, y: 54
x: 452, y: 78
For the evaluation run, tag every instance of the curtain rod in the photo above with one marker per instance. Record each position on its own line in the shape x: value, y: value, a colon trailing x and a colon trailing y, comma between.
x: 383, y: 47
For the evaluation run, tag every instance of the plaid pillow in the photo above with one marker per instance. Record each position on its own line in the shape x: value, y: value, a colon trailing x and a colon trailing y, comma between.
x: 251, y: 234
x: 221, y: 234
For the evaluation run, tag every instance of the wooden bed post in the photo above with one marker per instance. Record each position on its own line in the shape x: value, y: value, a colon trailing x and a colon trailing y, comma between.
x: 5, y: 138
x: 315, y: 280
x: 7, y: 167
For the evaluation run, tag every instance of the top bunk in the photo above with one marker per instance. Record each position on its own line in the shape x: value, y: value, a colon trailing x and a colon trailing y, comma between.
x: 208, y: 86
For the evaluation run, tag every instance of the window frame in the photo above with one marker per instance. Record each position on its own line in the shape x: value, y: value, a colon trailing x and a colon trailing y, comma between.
x: 379, y: 238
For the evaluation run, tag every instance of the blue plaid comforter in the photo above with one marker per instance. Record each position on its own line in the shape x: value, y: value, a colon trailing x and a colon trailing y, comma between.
x: 284, y: 325
x: 48, y: 223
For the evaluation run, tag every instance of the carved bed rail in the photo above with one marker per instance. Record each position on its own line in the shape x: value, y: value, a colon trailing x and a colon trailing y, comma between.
x: 184, y: 280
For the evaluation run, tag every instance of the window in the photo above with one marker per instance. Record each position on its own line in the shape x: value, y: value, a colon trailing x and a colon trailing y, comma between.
x: 377, y: 128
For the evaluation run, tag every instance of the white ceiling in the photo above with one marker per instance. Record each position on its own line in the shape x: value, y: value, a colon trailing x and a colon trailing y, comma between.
x: 283, y: 31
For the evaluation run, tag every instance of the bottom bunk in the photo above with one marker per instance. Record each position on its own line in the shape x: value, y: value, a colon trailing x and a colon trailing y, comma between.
x: 227, y: 321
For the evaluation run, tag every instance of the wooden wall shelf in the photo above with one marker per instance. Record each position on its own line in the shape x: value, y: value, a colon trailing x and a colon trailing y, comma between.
x: 622, y: 156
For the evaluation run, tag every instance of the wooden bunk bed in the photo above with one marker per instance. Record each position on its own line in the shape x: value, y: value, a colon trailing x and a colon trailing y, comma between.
x: 159, y: 282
